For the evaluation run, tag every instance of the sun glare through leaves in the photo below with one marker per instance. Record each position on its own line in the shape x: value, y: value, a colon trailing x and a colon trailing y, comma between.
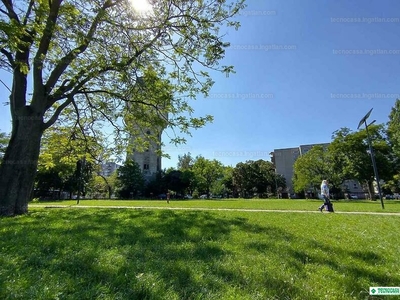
x: 141, y: 6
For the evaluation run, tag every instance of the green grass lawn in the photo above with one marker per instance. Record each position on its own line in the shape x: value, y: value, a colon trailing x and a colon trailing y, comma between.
x: 175, y: 254
x: 274, y: 204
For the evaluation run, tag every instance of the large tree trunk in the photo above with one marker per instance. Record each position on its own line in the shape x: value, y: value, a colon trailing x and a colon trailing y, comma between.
x: 18, y: 169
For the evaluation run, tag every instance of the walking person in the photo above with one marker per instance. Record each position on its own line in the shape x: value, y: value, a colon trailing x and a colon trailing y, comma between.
x: 325, y: 195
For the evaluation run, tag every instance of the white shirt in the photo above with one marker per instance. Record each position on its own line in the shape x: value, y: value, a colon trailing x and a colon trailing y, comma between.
x: 325, y: 189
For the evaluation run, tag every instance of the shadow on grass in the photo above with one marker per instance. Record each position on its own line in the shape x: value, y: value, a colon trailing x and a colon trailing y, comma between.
x: 146, y: 254
x: 138, y: 254
x: 364, y: 271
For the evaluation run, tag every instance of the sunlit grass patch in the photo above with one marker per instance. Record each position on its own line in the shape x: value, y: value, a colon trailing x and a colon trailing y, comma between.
x: 165, y: 254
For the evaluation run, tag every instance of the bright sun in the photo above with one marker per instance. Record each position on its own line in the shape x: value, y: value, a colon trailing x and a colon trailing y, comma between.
x: 141, y: 6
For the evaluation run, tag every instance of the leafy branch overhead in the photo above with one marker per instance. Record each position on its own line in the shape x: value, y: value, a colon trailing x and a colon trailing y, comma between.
x: 92, y: 54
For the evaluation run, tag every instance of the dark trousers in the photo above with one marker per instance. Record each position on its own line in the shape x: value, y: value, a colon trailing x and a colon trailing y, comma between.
x: 326, y: 201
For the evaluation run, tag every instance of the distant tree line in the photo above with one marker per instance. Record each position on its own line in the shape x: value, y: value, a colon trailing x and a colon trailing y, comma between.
x: 200, y: 176
x: 70, y: 167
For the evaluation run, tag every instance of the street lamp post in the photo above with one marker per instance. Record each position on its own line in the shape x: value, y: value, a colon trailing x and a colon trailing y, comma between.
x: 371, y: 150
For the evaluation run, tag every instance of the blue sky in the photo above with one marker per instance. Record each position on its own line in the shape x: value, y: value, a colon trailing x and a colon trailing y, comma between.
x: 342, y: 61
x: 286, y: 98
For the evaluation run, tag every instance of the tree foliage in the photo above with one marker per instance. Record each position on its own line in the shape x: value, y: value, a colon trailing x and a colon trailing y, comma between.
x: 130, y: 181
x: 62, y: 148
x: 175, y: 180
x: 156, y: 185
x: 353, y: 156
x: 84, y: 60
x: 227, y: 181
x: 255, y: 177
x: 80, y: 180
x: 206, y: 173
x: 310, y: 169
x: 185, y: 162
x: 393, y: 132
x: 101, y: 186
x: 393, y: 129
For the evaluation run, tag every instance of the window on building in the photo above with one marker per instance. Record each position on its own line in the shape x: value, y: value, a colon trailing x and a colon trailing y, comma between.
x: 146, y: 167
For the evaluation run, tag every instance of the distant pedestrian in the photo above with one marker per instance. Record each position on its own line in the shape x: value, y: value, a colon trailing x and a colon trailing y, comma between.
x: 168, y: 197
x: 325, y: 196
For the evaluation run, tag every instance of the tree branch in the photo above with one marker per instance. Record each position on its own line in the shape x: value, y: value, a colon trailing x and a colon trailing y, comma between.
x: 5, y: 85
x: 28, y: 12
x: 67, y: 59
x: 9, y: 57
x: 10, y: 10
x: 44, y: 46
x: 78, y: 122
x: 57, y: 113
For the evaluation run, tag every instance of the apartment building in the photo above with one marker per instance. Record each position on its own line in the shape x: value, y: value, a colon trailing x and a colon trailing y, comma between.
x: 108, y: 168
x: 284, y: 160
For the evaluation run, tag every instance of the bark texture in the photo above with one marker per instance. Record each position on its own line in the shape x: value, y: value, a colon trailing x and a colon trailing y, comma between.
x: 18, y: 169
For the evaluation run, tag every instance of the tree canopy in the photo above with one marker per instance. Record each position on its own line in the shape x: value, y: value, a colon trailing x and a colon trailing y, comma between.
x: 206, y: 173
x: 185, y: 161
x: 353, y: 156
x: 61, y: 149
x: 393, y: 128
x: 310, y: 169
x: 130, y: 181
x: 256, y: 177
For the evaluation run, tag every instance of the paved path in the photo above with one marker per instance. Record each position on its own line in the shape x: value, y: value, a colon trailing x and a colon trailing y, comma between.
x: 217, y: 209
